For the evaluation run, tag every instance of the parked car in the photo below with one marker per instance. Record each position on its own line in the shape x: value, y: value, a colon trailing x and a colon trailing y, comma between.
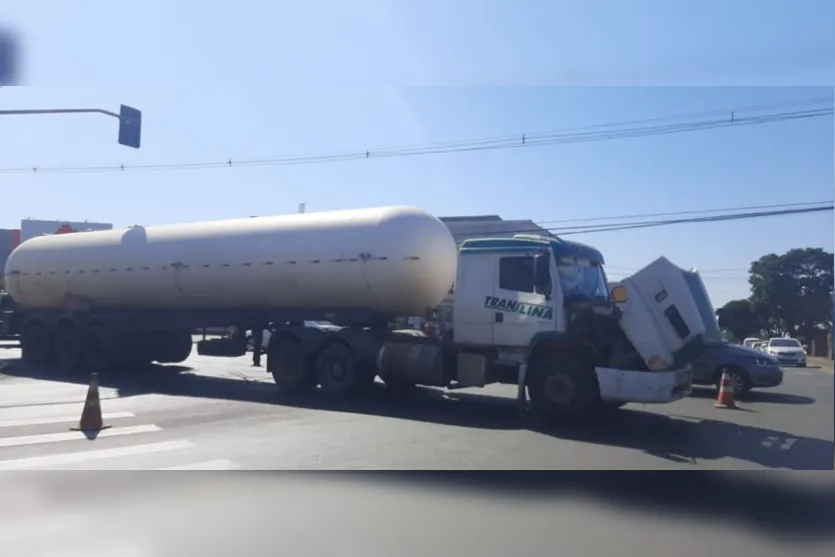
x: 787, y: 350
x: 747, y: 368
x: 751, y: 341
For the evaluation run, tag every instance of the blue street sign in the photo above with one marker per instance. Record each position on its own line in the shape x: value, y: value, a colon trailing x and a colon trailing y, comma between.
x: 130, y: 127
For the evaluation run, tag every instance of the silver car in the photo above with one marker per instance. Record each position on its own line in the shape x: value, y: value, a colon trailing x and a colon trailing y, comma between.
x: 746, y: 368
x: 788, y: 351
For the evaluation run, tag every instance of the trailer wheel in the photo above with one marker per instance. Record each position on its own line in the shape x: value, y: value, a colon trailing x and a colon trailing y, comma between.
x: 100, y: 348
x: 338, y: 371
x: 67, y: 346
x: 289, y: 366
x: 172, y: 347
x: 563, y: 387
x: 36, y: 345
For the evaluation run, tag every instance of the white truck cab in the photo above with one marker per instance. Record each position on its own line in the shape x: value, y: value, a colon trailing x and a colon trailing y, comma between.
x: 544, y: 304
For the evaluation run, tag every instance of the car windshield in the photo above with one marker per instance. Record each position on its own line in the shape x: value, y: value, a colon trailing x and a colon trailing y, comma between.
x: 784, y: 343
x: 582, y: 278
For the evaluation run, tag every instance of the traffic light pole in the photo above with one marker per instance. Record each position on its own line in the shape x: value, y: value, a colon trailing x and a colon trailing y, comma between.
x: 130, y: 120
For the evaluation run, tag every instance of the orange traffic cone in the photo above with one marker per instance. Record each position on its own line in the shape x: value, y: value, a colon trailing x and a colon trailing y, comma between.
x: 91, y: 418
x: 726, y: 394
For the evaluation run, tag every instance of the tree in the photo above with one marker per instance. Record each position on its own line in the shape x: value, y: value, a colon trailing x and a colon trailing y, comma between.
x: 792, y: 293
x: 738, y: 318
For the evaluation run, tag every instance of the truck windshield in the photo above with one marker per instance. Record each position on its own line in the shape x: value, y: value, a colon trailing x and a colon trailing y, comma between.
x: 582, y: 278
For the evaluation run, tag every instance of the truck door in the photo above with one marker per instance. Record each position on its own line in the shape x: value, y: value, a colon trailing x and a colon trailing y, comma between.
x: 518, y: 311
x: 472, y: 319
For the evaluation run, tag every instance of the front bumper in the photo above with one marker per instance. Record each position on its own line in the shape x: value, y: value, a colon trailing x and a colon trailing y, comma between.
x: 767, y: 376
x: 790, y: 360
x: 648, y: 387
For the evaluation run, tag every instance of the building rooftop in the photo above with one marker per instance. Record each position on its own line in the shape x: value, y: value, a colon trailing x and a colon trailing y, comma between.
x: 490, y: 226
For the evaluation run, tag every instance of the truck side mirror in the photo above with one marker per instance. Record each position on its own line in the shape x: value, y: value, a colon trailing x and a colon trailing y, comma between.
x: 542, y: 275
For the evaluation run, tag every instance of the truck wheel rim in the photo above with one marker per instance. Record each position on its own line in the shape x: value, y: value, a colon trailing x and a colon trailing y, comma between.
x: 559, y: 389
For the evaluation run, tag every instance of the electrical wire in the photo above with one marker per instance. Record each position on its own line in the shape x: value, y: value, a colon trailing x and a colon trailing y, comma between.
x: 604, y: 132
x: 712, y: 218
x: 650, y: 224
x: 677, y: 213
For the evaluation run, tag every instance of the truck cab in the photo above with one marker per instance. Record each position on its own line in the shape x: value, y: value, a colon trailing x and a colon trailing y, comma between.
x: 545, y: 304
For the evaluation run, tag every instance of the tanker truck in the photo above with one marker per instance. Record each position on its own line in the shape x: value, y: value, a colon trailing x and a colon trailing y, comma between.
x: 530, y: 311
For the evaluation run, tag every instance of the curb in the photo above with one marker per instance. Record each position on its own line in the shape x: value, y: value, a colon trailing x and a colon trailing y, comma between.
x: 823, y: 363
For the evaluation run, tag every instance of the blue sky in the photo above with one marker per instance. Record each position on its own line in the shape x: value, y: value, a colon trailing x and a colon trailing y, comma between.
x: 265, y: 79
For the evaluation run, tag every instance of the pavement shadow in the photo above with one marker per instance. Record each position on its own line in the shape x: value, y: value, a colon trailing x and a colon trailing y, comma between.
x: 675, y: 439
x: 760, y: 502
x: 755, y: 396
x: 693, y: 441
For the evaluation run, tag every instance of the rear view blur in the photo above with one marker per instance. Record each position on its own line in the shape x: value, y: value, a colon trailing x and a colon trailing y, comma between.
x: 10, y: 56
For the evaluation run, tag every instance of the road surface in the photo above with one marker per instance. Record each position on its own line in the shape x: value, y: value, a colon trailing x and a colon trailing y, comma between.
x: 218, y: 414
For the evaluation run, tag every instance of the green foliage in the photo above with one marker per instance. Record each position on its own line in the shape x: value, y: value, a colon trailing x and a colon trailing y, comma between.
x: 737, y: 318
x: 790, y: 293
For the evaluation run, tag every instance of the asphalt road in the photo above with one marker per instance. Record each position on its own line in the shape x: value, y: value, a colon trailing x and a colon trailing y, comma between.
x: 217, y: 414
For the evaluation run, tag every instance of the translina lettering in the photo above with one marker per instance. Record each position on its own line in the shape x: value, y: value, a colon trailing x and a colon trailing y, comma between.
x: 512, y: 306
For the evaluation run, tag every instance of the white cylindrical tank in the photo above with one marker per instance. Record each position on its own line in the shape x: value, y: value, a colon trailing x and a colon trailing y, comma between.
x: 398, y: 260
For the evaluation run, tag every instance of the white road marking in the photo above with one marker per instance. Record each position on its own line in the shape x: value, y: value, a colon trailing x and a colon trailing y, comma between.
x: 209, y: 465
x: 769, y: 441
x: 60, y: 419
x: 75, y: 435
x: 784, y: 444
x: 803, y: 372
x: 788, y: 444
x: 99, y: 454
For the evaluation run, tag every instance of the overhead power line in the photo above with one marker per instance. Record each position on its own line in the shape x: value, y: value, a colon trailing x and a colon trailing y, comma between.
x: 650, y: 224
x: 689, y: 212
x: 711, y: 218
x: 804, y: 109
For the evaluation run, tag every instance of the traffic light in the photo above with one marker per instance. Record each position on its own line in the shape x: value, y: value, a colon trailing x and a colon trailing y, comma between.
x: 130, y: 127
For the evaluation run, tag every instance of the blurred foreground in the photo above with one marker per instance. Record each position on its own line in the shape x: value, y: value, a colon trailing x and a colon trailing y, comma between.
x: 403, y: 514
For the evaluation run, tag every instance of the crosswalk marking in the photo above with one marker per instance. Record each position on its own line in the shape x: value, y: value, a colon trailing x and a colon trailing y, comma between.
x: 43, y: 437
x: 223, y: 464
x: 75, y: 435
x: 97, y: 454
x: 60, y: 419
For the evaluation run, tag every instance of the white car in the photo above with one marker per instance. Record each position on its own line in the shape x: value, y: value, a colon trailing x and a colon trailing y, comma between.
x: 788, y: 351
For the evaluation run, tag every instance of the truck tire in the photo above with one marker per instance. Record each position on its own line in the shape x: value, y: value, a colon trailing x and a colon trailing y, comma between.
x: 100, y: 348
x: 563, y: 387
x: 174, y: 347
x: 338, y: 371
x: 289, y: 366
x: 67, y: 346
x: 36, y: 345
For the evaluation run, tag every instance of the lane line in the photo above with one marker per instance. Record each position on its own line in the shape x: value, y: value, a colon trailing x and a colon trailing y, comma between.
x: 75, y: 435
x: 60, y: 419
x: 99, y: 454
x: 223, y: 464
